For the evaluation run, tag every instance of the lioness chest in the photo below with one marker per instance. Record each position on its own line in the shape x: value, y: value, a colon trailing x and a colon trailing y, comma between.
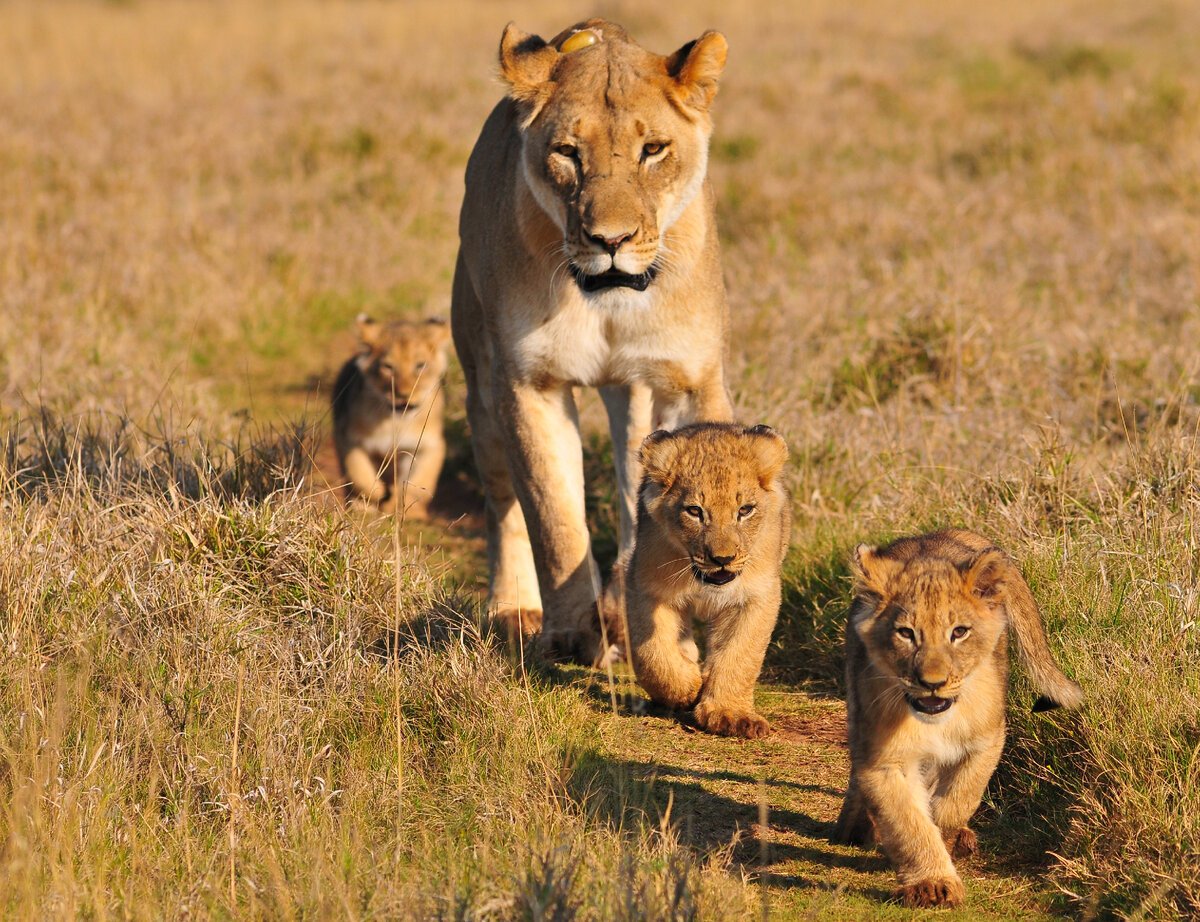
x: 616, y: 337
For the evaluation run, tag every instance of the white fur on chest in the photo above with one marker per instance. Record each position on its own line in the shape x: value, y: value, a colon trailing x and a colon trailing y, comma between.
x: 395, y: 432
x: 611, y: 337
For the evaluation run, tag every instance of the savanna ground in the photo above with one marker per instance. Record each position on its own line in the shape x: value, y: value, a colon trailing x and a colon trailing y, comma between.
x: 961, y: 244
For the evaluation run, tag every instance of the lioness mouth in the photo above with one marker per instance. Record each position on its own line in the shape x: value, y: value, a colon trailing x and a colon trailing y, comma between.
x: 613, y: 279
x: 931, y: 704
x: 716, y: 578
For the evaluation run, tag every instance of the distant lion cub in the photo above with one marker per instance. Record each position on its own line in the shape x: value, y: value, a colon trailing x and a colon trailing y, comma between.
x: 387, y: 414
x: 712, y: 530
x: 926, y: 675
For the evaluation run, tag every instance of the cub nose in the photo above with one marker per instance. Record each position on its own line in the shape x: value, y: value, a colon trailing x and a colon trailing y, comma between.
x: 609, y: 244
x: 932, y: 684
x: 721, y: 560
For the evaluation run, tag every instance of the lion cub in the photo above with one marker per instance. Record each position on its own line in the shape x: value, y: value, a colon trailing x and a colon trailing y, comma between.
x: 712, y: 530
x: 387, y: 414
x: 926, y: 676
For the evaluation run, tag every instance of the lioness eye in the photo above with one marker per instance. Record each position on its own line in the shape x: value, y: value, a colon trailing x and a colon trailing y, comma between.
x: 906, y: 633
x: 565, y: 150
x: 745, y: 510
x: 694, y: 511
x: 959, y: 632
x: 652, y: 149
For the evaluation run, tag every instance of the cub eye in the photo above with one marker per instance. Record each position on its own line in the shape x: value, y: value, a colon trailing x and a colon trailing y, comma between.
x: 419, y: 367
x: 694, y: 511
x: 906, y: 633
x: 387, y: 368
x: 653, y: 149
x: 565, y: 150
x: 960, y: 632
x: 745, y: 510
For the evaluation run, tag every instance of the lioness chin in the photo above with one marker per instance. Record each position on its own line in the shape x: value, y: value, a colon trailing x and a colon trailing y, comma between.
x: 588, y: 256
x: 926, y: 676
x: 712, y: 529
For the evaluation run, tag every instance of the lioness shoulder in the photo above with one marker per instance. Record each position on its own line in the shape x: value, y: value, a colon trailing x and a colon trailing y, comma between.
x: 712, y: 530
x: 926, y: 676
x: 387, y: 414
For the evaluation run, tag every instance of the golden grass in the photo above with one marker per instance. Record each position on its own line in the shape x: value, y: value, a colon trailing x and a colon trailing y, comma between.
x: 961, y: 246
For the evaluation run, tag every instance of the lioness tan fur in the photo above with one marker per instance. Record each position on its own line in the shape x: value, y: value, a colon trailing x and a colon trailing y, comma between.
x: 387, y: 414
x: 589, y: 257
x: 712, y: 529
x: 926, y: 676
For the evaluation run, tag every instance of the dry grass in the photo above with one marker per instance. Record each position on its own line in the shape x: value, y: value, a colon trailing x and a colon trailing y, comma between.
x: 961, y: 246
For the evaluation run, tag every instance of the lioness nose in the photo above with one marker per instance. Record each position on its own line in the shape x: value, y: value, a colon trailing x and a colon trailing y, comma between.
x: 612, y: 244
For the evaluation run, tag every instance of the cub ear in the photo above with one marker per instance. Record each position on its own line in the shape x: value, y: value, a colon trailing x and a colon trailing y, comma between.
x: 771, y: 451
x: 986, y: 574
x: 872, y: 571
x: 657, y: 455
x: 439, y: 330
x: 696, y: 68
x: 368, y: 330
x: 526, y: 63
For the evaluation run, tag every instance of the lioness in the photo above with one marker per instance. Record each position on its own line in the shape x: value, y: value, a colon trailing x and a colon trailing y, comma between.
x: 588, y: 257
x: 387, y: 414
x: 712, y: 529
x: 926, y: 675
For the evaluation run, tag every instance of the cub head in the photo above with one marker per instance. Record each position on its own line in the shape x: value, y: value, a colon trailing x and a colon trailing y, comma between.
x: 615, y: 141
x: 712, y: 488
x: 927, y: 622
x: 402, y: 361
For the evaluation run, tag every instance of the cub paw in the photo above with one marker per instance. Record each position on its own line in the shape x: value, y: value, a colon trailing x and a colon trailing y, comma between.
x: 724, y: 722
x: 963, y: 843
x: 933, y: 891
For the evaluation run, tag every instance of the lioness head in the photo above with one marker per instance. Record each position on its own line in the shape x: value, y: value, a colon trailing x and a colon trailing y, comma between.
x: 615, y: 141
x: 401, y: 361
x: 712, y: 487
x: 927, y: 622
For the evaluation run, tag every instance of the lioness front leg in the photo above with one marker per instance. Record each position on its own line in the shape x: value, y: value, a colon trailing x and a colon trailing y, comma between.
x: 737, y: 643
x: 910, y: 838
x: 664, y: 654
x: 545, y: 455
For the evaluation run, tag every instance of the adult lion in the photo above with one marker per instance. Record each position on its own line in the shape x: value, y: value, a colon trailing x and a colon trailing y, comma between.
x: 588, y: 256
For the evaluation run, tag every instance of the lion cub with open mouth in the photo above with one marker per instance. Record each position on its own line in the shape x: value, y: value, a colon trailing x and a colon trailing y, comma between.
x: 387, y: 414
x: 926, y: 676
x: 712, y: 530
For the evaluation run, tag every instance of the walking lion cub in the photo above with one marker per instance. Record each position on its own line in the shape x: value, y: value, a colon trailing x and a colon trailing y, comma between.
x: 712, y: 530
x: 387, y: 414
x: 926, y: 676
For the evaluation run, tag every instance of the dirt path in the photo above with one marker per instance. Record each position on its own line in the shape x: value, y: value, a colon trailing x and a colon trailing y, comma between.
x: 714, y: 788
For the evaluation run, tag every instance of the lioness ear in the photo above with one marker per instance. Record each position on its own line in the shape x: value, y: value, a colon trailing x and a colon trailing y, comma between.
x: 771, y: 452
x: 657, y: 455
x: 368, y: 329
x: 872, y: 571
x: 526, y: 62
x: 696, y: 67
x: 985, y: 575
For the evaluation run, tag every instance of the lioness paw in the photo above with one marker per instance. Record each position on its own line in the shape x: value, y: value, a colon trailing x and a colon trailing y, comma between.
x: 580, y: 647
x: 933, y: 891
x: 723, y: 722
